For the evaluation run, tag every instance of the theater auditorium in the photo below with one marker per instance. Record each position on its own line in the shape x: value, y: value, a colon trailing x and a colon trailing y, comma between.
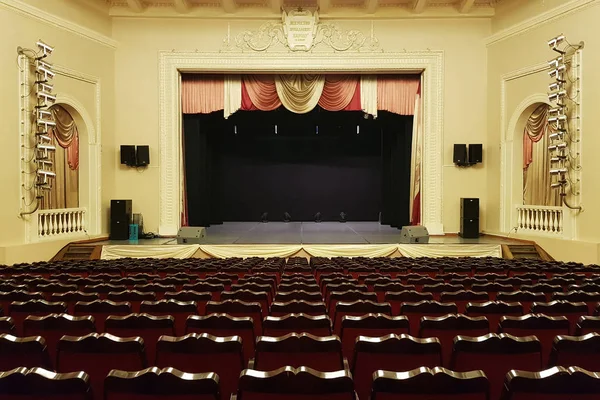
x: 299, y: 199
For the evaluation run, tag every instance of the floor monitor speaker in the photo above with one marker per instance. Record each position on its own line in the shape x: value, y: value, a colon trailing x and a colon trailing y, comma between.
x: 191, y: 235
x: 414, y: 234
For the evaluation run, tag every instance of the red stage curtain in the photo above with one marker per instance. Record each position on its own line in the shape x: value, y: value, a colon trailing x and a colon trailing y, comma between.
x: 202, y: 94
x: 259, y: 93
x: 341, y: 92
x: 397, y: 93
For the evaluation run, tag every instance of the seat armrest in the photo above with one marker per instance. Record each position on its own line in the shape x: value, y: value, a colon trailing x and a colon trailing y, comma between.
x: 346, y: 365
x: 251, y: 363
x: 233, y: 396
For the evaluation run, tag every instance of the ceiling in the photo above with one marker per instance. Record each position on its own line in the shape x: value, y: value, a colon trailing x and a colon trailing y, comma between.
x: 331, y: 8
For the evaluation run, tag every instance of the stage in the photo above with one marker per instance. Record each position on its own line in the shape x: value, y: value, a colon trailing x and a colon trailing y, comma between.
x: 310, y: 239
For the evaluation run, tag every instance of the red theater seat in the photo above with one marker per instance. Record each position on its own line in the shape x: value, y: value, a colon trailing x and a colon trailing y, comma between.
x: 496, y: 354
x: 103, y: 289
x: 427, y: 308
x: 543, y: 327
x: 371, y: 325
x: 98, y: 354
x: 396, y: 299
x: 100, y: 310
x: 493, y: 311
x: 522, y: 296
x: 41, y: 384
x: 572, y: 311
x: 279, y: 309
x: 391, y: 352
x: 177, y: 309
x: 284, y: 297
x: 23, y: 352
x: 224, y: 325
x: 250, y: 297
x: 295, y: 384
x: 149, y: 327
x: 201, y: 298
x: 323, y: 353
x: 591, y: 299
x: 462, y: 297
x: 154, y: 383
x: 587, y: 324
x: 447, y: 327
x: 200, y: 353
x: 357, y: 308
x: 439, y: 288
x: 6, y: 298
x: 292, y: 286
x: 556, y: 383
x: 430, y: 384
x: 7, y: 325
x: 21, y: 310
x: 391, y: 286
x: 319, y: 325
x: 73, y: 297
x: 200, y: 286
x: 133, y: 297
x: 255, y: 287
x: 580, y: 351
x: 54, y: 326
x: 239, y: 308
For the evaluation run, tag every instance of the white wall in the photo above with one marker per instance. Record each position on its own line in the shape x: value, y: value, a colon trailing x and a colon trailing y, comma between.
x: 136, y: 77
x: 522, y: 51
x: 23, y: 26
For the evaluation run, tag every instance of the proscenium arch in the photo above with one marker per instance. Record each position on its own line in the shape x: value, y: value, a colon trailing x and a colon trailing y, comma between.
x: 172, y: 64
x: 513, y: 173
x: 89, y: 172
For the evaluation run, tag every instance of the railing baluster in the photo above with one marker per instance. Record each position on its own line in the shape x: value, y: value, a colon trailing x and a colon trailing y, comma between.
x: 540, y: 219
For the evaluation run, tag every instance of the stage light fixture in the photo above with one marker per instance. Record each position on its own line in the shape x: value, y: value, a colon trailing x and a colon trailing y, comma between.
x: 553, y: 97
x: 559, y: 146
x: 555, y: 41
x: 287, y: 217
x: 318, y: 217
x: 556, y: 111
x: 557, y: 119
x: 555, y: 86
x: 264, y: 218
x: 558, y: 184
x: 558, y: 171
x: 557, y: 159
x: 555, y: 73
x: 558, y: 135
x: 343, y: 216
x: 556, y: 62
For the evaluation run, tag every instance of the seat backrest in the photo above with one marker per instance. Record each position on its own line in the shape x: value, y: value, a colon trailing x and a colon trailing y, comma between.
x: 392, y: 352
x: 98, y: 354
x: 27, y: 352
x: 319, y: 325
x: 239, y: 308
x: 73, y: 297
x: 587, y: 324
x: 201, y: 298
x: 381, y: 288
x: 7, y: 325
x: 493, y: 311
x: 462, y: 297
x: 42, y: 384
x: 572, y: 311
x: 322, y: 353
x: 348, y: 296
x: 166, y: 383
x: 582, y: 351
x: 556, y: 383
x: 201, y: 286
x: 53, y: 326
x: 298, y: 285
x: 590, y: 298
x: 283, y: 297
x: 522, y: 296
x: 133, y: 297
x: 545, y: 328
x: 224, y: 325
x: 149, y: 327
x: 357, y: 308
x: 255, y: 287
x: 430, y: 384
x: 496, y: 354
x: 179, y: 310
x: 372, y: 325
x: 290, y: 383
x: 19, y: 310
x: 279, y: 309
x: 426, y: 308
x: 199, y: 353
x: 250, y: 297
x: 100, y: 310
x: 447, y: 327
x: 396, y: 299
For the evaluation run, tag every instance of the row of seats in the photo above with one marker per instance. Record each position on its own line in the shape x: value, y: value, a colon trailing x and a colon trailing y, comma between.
x: 494, y: 354
x: 290, y: 383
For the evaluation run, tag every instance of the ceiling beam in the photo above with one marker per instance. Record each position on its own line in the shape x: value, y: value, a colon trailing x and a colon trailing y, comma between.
x: 465, y: 6
x: 324, y: 6
x: 276, y: 6
x: 229, y: 6
x: 182, y: 6
x: 419, y: 6
x: 136, y: 5
x: 371, y: 6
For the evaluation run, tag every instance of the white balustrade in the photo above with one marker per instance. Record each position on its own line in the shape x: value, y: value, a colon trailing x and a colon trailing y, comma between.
x: 540, y: 219
x: 61, y: 222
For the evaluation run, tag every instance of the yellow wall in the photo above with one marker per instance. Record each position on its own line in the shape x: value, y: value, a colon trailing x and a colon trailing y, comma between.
x: 73, y: 51
x: 528, y: 49
x: 140, y: 40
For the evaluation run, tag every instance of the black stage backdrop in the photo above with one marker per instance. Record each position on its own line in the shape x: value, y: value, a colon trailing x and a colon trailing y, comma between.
x: 236, y: 169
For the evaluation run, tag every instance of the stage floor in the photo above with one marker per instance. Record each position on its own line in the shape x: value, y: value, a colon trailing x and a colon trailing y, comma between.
x: 311, y: 233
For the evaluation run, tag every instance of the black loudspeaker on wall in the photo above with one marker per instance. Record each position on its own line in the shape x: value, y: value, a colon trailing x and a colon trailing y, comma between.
x: 121, y: 215
x: 142, y: 156
x: 469, y: 218
x: 128, y: 155
x: 475, y: 153
x: 460, y: 154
